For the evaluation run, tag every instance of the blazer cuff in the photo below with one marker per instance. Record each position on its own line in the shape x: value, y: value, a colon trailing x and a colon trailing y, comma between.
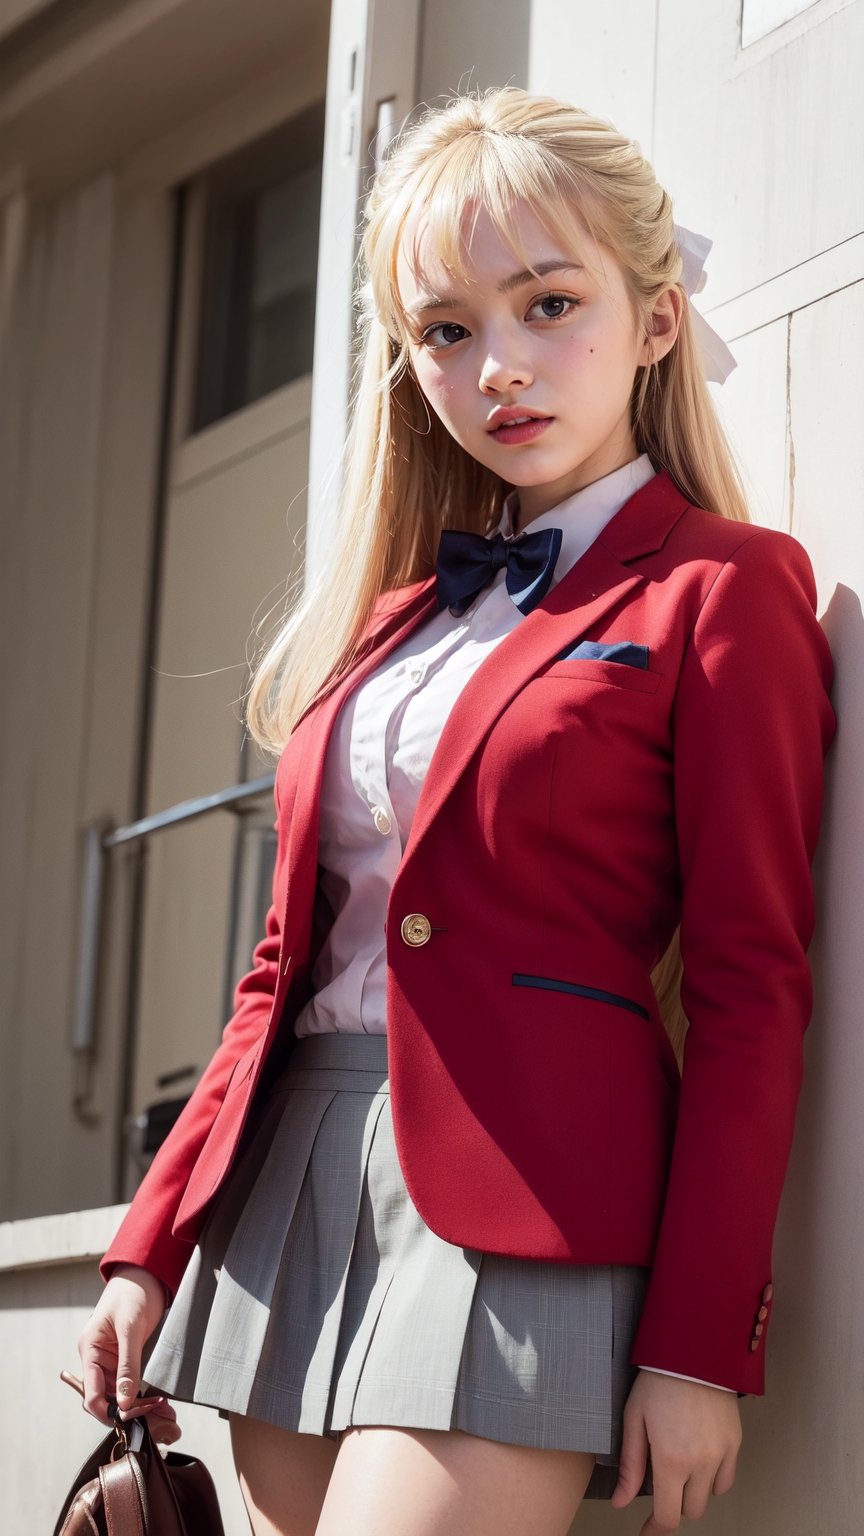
x: 658, y: 1372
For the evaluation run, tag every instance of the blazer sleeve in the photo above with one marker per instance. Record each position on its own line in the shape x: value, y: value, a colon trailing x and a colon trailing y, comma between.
x: 752, y: 722
x: 145, y: 1237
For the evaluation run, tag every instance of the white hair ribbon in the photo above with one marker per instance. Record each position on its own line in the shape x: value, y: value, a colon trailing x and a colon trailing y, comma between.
x: 717, y: 360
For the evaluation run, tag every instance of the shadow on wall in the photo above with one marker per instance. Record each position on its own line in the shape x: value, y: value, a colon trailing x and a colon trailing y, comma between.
x: 821, y: 1238
x: 801, y: 1447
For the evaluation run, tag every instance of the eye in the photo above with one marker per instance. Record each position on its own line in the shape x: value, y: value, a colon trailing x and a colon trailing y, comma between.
x: 446, y: 328
x: 555, y: 306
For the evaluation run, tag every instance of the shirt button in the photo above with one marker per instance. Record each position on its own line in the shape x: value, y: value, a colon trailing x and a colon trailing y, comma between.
x: 382, y: 820
x: 415, y: 672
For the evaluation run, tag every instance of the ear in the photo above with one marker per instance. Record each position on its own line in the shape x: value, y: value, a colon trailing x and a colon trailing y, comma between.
x: 663, y: 325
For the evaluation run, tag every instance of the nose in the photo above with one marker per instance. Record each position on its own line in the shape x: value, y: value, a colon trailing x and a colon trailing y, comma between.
x: 498, y: 375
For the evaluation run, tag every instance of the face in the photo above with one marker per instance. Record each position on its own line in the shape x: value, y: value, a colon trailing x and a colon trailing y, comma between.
x: 532, y: 377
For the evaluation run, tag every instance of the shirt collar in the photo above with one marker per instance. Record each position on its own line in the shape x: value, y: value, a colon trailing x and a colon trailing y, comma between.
x: 582, y: 515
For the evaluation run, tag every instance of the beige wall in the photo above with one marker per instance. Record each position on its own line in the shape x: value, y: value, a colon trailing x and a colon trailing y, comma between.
x: 78, y: 489
x: 48, y: 1284
x: 236, y: 511
x: 85, y: 277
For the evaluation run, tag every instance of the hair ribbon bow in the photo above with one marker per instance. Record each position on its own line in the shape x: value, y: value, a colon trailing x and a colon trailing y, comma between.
x: 717, y: 360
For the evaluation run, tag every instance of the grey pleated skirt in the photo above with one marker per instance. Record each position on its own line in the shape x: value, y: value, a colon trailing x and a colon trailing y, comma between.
x: 317, y: 1298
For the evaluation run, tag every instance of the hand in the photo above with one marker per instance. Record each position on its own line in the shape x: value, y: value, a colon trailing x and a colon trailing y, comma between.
x: 694, y: 1434
x: 129, y: 1309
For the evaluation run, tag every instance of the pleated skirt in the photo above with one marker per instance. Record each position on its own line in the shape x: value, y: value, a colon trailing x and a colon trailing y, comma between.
x: 317, y: 1298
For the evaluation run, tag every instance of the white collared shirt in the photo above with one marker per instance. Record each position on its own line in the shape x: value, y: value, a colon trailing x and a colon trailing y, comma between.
x: 379, y: 752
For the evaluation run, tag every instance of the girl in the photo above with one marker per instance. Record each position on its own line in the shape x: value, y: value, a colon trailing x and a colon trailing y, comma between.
x: 551, y: 726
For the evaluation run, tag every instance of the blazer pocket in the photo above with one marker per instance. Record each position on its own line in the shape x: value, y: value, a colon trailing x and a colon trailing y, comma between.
x: 597, y: 994
x: 629, y: 652
x: 615, y: 674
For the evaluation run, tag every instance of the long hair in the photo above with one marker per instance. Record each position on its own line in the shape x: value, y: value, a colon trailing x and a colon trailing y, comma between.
x: 404, y: 478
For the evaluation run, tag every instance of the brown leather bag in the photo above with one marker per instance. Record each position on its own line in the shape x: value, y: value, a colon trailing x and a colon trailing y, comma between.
x: 128, y: 1488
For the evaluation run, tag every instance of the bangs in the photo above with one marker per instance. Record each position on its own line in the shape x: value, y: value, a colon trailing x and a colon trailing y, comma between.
x: 494, y: 172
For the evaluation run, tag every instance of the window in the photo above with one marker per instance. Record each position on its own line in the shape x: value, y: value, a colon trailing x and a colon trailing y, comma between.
x: 262, y: 207
x: 761, y: 16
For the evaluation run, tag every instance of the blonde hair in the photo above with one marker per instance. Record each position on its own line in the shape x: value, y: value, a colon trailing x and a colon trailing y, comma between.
x: 404, y: 478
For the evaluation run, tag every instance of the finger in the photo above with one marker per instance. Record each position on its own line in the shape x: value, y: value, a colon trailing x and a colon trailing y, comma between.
x: 725, y: 1476
x: 160, y: 1415
x: 165, y: 1431
x: 633, y: 1460
x: 697, y: 1496
x: 668, y: 1489
x: 128, y: 1364
x: 146, y: 1407
x: 95, y: 1399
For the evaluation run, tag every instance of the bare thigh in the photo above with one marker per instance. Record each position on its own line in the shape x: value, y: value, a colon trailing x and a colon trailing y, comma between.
x: 432, y: 1482
x: 283, y: 1475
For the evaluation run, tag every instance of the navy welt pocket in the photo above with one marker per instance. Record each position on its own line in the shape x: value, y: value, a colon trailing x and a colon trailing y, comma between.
x: 550, y: 984
x: 615, y: 674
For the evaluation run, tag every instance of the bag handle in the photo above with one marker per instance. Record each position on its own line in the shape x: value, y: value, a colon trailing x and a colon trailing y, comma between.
x: 124, y: 1498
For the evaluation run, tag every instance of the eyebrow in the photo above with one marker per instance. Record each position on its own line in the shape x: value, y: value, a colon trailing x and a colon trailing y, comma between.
x: 516, y: 280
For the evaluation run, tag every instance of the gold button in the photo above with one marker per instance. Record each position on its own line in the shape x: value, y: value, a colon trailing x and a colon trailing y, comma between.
x: 416, y: 929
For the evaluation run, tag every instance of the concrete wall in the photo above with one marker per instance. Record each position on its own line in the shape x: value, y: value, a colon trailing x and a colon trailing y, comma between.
x: 77, y: 442
x: 85, y: 289
x: 49, y: 1284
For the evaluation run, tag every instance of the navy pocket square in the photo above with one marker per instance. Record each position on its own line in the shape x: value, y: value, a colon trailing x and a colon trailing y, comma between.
x: 626, y: 651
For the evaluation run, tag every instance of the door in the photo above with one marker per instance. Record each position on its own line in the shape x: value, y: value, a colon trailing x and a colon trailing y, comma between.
x: 268, y: 237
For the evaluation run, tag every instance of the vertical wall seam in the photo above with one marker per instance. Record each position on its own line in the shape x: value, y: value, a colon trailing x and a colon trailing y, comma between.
x: 790, y: 436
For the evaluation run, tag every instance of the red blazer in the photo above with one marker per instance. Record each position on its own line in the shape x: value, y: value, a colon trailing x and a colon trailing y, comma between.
x: 574, y: 812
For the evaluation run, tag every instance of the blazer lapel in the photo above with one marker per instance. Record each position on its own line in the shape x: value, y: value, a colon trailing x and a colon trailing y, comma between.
x: 594, y: 585
x: 597, y: 581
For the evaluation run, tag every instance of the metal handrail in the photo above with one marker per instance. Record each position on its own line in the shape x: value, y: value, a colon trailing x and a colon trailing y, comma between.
x: 99, y: 839
x: 187, y: 810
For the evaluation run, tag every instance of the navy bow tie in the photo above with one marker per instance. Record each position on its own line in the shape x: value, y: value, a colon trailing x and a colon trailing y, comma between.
x: 467, y: 562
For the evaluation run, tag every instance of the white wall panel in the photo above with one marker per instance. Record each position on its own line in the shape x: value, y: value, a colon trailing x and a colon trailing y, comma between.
x: 752, y: 407
x: 600, y: 57
x: 827, y: 367
x: 763, y: 152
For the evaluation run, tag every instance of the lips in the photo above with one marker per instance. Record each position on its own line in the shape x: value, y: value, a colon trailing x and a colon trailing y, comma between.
x: 508, y: 415
x: 520, y: 428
